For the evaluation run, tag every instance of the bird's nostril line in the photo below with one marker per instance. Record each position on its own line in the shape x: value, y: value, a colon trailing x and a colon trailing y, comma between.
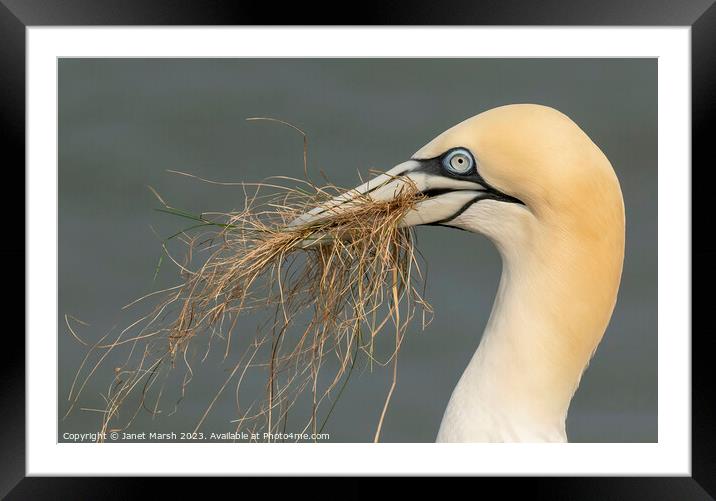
x: 437, y: 192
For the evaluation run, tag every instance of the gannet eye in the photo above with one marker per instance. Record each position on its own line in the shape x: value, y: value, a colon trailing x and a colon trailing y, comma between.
x: 459, y: 161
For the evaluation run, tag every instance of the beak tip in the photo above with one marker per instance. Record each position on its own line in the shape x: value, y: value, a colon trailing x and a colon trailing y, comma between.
x: 382, y: 187
x: 296, y: 222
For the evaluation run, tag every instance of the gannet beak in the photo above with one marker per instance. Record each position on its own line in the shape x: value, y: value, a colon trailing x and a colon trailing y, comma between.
x: 383, y: 187
x: 446, y: 196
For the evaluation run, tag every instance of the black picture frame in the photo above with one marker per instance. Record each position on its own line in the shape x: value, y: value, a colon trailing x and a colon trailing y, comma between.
x: 700, y: 15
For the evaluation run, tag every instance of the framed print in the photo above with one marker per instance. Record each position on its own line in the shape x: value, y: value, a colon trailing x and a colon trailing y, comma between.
x: 241, y: 256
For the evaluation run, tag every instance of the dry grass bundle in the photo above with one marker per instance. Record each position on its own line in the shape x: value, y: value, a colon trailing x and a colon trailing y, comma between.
x: 333, y: 285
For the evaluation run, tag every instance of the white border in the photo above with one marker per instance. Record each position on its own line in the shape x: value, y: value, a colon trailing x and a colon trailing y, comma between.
x: 671, y: 455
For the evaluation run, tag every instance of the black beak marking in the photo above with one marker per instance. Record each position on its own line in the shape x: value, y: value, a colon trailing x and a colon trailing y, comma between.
x: 434, y: 166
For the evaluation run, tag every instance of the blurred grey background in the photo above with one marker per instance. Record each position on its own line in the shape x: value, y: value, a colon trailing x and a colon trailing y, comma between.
x: 123, y: 122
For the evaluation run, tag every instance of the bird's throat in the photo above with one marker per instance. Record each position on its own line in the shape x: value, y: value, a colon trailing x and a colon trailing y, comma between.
x: 549, y: 315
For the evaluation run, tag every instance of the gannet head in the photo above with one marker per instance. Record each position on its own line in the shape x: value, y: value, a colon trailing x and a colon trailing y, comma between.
x: 531, y: 180
x: 509, y: 173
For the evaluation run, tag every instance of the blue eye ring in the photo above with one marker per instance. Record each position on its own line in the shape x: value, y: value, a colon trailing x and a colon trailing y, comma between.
x: 459, y: 161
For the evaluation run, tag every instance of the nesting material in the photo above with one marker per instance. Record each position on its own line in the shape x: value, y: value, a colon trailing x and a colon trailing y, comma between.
x: 333, y: 284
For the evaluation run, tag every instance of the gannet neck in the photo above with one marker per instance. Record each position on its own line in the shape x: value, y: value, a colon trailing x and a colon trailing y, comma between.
x: 556, y: 294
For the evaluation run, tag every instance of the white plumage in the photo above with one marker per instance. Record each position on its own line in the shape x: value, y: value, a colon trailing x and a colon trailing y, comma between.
x: 531, y: 180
